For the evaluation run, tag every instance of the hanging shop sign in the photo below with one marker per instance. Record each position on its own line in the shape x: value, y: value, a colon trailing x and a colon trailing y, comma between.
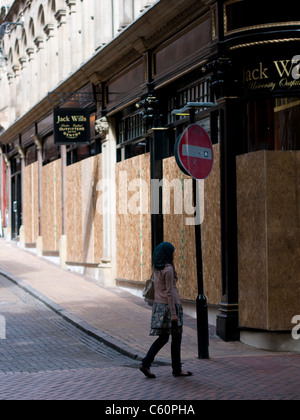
x: 273, y: 76
x: 71, y: 126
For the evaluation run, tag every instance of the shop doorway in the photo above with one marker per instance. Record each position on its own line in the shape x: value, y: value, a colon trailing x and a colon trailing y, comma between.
x: 16, y: 204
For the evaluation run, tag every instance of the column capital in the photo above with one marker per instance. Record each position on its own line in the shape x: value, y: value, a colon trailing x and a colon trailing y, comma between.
x: 23, y: 61
x: 48, y: 29
x: 38, y: 41
x: 60, y: 16
x: 38, y: 142
x: 16, y: 69
x: 71, y: 4
x: 102, y: 127
x: 21, y: 151
x: 10, y: 77
x: 30, y: 53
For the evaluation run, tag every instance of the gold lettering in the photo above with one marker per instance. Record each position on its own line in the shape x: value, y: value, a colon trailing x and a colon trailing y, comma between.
x: 253, y: 74
x: 78, y: 118
x: 63, y: 119
x: 248, y: 76
x: 263, y: 74
x: 259, y: 73
x: 282, y: 67
x: 257, y: 86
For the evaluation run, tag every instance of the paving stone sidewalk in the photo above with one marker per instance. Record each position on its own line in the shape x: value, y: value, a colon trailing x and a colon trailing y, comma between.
x: 114, y: 316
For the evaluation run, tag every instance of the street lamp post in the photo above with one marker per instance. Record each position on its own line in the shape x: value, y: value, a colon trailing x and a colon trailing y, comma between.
x: 201, y: 302
x: 6, y: 28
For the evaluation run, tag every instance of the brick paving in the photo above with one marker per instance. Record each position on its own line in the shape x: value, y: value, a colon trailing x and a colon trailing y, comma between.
x: 69, y: 366
x: 37, y: 339
x: 213, y: 380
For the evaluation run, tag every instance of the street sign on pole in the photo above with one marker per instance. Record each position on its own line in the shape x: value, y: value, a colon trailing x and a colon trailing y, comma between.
x: 194, y: 156
x: 194, y: 152
x: 178, y: 161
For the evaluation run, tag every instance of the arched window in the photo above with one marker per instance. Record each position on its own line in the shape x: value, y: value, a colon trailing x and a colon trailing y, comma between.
x: 41, y: 18
x: 31, y: 32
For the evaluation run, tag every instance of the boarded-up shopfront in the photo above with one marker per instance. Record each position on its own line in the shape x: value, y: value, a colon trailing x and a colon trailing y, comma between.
x: 103, y: 206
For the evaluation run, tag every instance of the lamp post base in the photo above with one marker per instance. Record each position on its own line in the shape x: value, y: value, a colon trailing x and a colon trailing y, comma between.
x: 202, y: 327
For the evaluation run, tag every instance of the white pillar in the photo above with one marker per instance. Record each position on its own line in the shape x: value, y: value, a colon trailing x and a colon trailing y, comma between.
x: 12, y: 107
x: 104, y: 15
x: 24, y: 84
x: 42, y: 71
x: 107, y: 268
x: 88, y: 29
x: 63, y: 47
x: 32, y: 78
x: 49, y: 30
x: 75, y: 35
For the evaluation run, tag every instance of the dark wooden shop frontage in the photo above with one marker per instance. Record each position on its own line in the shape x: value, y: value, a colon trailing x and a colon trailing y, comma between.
x: 242, y: 56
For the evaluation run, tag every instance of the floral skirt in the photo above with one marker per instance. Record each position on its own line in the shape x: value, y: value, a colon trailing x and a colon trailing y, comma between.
x: 161, y: 322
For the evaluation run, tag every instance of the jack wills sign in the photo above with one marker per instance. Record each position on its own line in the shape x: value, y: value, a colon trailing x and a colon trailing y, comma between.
x: 276, y: 75
x: 71, y: 126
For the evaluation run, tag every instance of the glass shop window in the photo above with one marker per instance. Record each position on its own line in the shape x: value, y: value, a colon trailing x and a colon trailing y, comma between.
x: 131, y: 139
x: 31, y: 155
x: 287, y: 124
x: 15, y: 165
x: 51, y: 151
x: 131, y: 128
x: 199, y: 92
x: 76, y: 154
x: 274, y: 124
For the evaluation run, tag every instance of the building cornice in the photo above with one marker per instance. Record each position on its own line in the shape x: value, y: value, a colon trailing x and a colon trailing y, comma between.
x: 15, y: 9
x: 156, y: 25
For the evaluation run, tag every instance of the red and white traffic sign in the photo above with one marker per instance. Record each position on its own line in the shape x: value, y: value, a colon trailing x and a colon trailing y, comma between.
x: 194, y: 152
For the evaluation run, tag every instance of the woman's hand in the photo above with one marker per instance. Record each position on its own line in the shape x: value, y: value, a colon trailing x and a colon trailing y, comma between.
x: 174, y: 320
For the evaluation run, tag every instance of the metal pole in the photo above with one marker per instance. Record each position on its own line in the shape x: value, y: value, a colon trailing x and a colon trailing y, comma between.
x: 201, y: 302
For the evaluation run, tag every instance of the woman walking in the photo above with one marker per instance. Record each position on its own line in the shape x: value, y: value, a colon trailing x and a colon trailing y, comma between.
x: 167, y: 313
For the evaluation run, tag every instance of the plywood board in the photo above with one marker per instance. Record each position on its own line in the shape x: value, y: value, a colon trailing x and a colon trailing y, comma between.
x: 51, y: 215
x: 83, y: 221
x: 133, y: 219
x: 179, y: 231
x: 74, y: 212
x: 31, y: 203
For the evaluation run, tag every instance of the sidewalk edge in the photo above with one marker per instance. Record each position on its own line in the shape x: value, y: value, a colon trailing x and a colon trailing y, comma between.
x: 73, y: 319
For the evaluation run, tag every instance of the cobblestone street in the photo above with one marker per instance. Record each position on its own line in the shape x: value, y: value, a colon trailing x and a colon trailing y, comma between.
x: 38, y: 340
x: 46, y: 358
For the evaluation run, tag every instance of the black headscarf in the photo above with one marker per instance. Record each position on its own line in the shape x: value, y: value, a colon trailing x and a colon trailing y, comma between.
x: 163, y: 255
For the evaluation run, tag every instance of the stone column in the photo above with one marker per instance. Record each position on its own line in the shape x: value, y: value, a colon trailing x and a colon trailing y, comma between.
x: 103, y: 32
x: 38, y: 143
x: 51, y: 57
x: 8, y: 195
x: 75, y: 35
x: 63, y: 47
x: 24, y: 83
x: 107, y: 268
x: 32, y: 93
x: 22, y: 228
x: 63, y: 238
x: 41, y: 67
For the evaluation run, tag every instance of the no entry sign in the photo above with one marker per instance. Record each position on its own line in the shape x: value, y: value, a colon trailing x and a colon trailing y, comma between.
x: 194, y: 152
